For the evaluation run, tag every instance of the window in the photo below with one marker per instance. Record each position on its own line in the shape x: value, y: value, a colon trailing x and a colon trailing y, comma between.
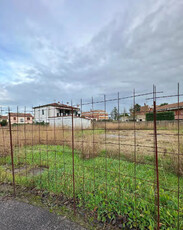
x: 14, y: 118
x: 21, y: 120
x: 28, y: 118
x: 42, y: 111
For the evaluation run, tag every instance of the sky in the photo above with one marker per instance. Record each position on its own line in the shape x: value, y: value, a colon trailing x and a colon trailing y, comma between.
x: 63, y: 50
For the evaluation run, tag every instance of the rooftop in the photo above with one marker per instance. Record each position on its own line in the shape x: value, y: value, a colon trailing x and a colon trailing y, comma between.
x: 58, y: 105
x: 170, y: 106
x: 20, y: 115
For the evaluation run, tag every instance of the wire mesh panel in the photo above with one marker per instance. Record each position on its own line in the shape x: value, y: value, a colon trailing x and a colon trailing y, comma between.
x: 124, y: 168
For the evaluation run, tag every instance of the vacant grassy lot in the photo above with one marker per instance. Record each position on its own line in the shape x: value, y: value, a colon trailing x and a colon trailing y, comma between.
x: 104, y: 170
x: 102, y: 184
x: 115, y: 142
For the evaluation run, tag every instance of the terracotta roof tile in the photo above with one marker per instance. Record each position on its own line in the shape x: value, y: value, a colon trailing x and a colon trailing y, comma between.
x: 56, y: 105
x: 20, y: 115
x: 169, y: 106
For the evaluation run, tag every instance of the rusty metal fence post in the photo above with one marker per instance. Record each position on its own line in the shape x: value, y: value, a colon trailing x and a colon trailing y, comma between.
x: 135, y: 157
x: 11, y: 150
x: 127, y: 162
x: 73, y: 172
x: 178, y: 163
x: 156, y: 159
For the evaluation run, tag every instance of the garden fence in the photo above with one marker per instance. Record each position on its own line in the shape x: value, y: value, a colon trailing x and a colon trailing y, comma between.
x: 122, y: 172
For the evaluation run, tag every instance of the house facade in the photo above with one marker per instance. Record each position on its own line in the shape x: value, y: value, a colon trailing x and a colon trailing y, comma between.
x: 124, y: 118
x: 96, y: 115
x: 46, y: 112
x: 3, y: 118
x: 141, y: 115
x: 20, y: 118
x: 177, y: 109
x: 57, y: 114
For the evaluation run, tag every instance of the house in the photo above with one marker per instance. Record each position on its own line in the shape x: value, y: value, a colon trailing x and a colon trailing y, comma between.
x: 3, y: 118
x: 124, y: 118
x: 96, y: 115
x: 141, y: 115
x: 20, y: 118
x: 53, y: 110
x: 178, y: 110
x: 57, y: 114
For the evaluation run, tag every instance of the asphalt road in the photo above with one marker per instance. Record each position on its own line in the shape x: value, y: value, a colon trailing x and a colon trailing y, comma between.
x: 15, y: 215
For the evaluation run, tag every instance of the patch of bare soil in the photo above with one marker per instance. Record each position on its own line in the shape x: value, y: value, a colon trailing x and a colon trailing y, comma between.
x: 36, y: 171
x: 26, y: 170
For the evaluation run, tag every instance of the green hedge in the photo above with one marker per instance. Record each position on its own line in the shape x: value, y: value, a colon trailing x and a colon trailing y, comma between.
x: 3, y: 123
x: 163, y: 116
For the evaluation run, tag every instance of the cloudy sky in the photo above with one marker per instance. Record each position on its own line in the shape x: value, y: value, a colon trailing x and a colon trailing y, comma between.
x: 71, y: 49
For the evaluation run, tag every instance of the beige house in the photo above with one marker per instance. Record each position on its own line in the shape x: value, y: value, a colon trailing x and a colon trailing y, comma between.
x: 21, y: 118
x: 96, y: 115
x: 124, y: 118
x: 3, y: 118
x: 141, y: 115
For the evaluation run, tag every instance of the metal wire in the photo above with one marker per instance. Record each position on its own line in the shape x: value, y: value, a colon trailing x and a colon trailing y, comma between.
x: 95, y: 162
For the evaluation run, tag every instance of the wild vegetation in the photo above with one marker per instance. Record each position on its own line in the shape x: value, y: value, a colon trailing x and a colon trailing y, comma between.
x: 108, y: 181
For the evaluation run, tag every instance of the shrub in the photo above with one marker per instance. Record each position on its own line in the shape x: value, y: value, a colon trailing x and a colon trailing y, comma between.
x: 163, y: 116
x: 41, y: 123
x: 3, y: 123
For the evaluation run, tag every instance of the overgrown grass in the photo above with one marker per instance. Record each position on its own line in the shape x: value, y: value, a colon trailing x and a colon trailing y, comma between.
x: 105, y: 186
x: 92, y: 142
x: 145, y: 125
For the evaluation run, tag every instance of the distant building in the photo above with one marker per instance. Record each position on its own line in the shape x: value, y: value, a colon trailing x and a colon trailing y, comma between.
x: 96, y: 115
x: 53, y: 110
x: 124, y: 118
x: 20, y: 118
x: 178, y: 110
x: 141, y: 115
x: 57, y: 114
x: 3, y: 118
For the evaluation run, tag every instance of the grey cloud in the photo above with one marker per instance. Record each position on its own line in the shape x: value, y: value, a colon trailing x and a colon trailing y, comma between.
x: 116, y: 59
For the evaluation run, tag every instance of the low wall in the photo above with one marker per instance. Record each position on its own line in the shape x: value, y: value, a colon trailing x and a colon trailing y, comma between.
x: 138, y: 125
x: 67, y: 121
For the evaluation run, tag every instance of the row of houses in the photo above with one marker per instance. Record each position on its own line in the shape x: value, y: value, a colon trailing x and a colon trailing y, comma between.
x: 176, y: 108
x: 56, y: 112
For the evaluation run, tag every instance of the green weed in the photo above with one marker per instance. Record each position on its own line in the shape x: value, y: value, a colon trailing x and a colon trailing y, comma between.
x: 103, y: 185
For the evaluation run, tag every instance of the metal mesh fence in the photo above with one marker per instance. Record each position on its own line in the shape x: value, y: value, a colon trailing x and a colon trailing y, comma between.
x: 122, y: 171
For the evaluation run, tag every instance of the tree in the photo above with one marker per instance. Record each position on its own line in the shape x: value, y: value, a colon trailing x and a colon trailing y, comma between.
x: 124, y: 115
x: 114, y: 114
x: 163, y: 104
x: 136, y: 108
x: 3, y: 123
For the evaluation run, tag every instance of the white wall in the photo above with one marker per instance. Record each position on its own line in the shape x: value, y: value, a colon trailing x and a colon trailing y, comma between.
x: 49, y: 111
x: 67, y: 121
